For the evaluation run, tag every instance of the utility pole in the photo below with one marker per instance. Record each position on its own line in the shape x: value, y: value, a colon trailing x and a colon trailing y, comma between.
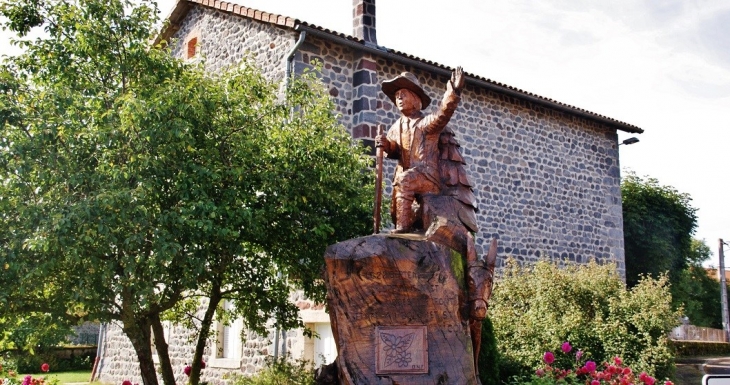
x: 723, y: 294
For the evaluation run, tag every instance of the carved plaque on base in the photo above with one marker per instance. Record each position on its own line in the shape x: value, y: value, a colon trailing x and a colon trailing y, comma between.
x: 398, y: 313
x: 401, y: 349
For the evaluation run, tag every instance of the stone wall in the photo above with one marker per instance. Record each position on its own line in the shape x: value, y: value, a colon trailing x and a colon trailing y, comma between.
x: 548, y: 183
x: 118, y: 359
x: 226, y: 39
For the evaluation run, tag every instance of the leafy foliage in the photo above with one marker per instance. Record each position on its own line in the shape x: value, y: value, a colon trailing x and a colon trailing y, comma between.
x: 280, y: 372
x: 137, y: 180
x: 698, y: 292
x: 658, y: 226
x: 488, y: 361
x: 537, y: 308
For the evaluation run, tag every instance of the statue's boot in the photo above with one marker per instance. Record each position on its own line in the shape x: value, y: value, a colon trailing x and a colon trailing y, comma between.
x: 404, y: 216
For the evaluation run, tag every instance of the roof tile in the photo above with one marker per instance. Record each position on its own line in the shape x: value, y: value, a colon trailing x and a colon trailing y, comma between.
x: 291, y: 23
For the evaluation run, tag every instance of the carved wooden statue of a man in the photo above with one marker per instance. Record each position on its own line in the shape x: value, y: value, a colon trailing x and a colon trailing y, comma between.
x: 414, y: 139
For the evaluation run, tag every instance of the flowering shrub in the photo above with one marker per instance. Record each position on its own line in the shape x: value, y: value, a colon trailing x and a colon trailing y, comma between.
x: 585, y: 372
x: 538, y: 307
x: 10, y: 377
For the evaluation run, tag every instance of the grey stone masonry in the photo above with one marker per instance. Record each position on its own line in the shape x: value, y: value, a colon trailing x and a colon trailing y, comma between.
x: 118, y: 360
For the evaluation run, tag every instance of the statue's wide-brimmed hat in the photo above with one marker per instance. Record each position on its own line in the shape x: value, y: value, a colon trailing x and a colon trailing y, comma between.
x: 408, y: 81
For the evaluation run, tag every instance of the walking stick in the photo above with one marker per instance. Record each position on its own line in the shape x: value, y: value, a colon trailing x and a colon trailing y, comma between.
x: 378, y: 182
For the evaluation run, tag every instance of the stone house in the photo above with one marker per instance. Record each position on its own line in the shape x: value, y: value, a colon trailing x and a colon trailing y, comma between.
x: 546, y: 174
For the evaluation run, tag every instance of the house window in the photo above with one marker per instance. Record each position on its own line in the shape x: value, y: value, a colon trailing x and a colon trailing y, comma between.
x: 228, y: 343
x: 321, y: 350
x: 192, y: 48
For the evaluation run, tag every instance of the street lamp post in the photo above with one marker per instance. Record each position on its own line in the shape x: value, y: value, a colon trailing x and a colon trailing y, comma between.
x: 723, y: 294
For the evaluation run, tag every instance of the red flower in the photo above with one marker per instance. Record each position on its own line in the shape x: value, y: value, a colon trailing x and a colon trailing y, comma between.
x: 540, y: 372
x: 548, y: 357
x: 590, y: 366
x: 126, y: 382
x: 595, y: 382
x: 566, y: 348
x: 187, y: 370
x: 617, y: 360
x: 202, y: 364
x: 45, y: 368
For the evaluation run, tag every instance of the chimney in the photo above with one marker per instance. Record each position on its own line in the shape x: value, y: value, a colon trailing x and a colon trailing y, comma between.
x: 363, y: 20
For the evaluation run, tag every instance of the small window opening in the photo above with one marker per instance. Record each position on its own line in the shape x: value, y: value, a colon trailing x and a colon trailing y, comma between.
x: 192, y: 47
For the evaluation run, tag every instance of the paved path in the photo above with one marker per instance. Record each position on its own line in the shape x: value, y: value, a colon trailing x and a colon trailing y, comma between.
x: 691, y: 369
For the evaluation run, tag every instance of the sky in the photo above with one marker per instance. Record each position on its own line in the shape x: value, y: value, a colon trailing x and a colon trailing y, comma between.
x: 661, y: 65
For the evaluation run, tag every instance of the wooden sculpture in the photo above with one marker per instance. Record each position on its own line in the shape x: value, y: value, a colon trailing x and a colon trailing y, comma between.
x: 407, y: 307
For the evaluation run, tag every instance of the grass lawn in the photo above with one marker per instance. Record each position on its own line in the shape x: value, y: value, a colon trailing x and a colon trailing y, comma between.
x: 66, y: 377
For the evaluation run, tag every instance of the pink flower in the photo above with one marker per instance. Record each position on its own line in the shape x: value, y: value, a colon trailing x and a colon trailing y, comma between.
x: 540, y: 372
x: 566, y: 348
x: 187, y: 370
x: 627, y: 371
x: 590, y: 366
x: 548, y: 357
x: 126, y: 382
x: 668, y: 383
x: 617, y: 360
x: 45, y: 367
x: 578, y: 354
x: 27, y: 380
x: 595, y: 382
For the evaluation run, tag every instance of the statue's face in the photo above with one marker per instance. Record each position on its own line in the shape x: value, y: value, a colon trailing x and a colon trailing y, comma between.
x: 407, y: 102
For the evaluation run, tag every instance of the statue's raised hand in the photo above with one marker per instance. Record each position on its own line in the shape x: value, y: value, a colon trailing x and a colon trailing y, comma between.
x: 457, y: 79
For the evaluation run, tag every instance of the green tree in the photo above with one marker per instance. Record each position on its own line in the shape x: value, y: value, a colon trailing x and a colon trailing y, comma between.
x: 131, y: 182
x: 698, y: 292
x: 658, y: 225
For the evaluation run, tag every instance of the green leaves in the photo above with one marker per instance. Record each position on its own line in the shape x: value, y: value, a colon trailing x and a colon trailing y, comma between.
x: 658, y: 225
x: 587, y: 305
x: 131, y: 182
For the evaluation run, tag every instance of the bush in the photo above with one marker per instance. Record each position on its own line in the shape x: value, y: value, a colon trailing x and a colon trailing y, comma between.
x: 536, y: 308
x: 488, y: 360
x: 280, y: 372
x: 700, y: 348
x: 60, y: 359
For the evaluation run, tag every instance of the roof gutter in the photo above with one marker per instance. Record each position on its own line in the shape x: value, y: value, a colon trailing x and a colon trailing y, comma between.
x: 383, y: 52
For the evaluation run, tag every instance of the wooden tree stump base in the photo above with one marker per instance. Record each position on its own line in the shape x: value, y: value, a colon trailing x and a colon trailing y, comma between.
x: 398, y: 311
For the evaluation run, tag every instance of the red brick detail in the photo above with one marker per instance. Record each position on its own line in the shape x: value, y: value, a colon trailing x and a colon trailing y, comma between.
x: 373, y: 131
x: 367, y: 64
x: 364, y: 131
x: 192, y: 47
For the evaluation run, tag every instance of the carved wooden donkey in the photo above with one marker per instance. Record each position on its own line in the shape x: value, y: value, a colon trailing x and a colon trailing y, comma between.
x: 431, y: 191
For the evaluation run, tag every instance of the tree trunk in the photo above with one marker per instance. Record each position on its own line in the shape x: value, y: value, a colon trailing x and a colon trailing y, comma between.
x: 168, y: 377
x: 214, y: 299
x: 138, y: 331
